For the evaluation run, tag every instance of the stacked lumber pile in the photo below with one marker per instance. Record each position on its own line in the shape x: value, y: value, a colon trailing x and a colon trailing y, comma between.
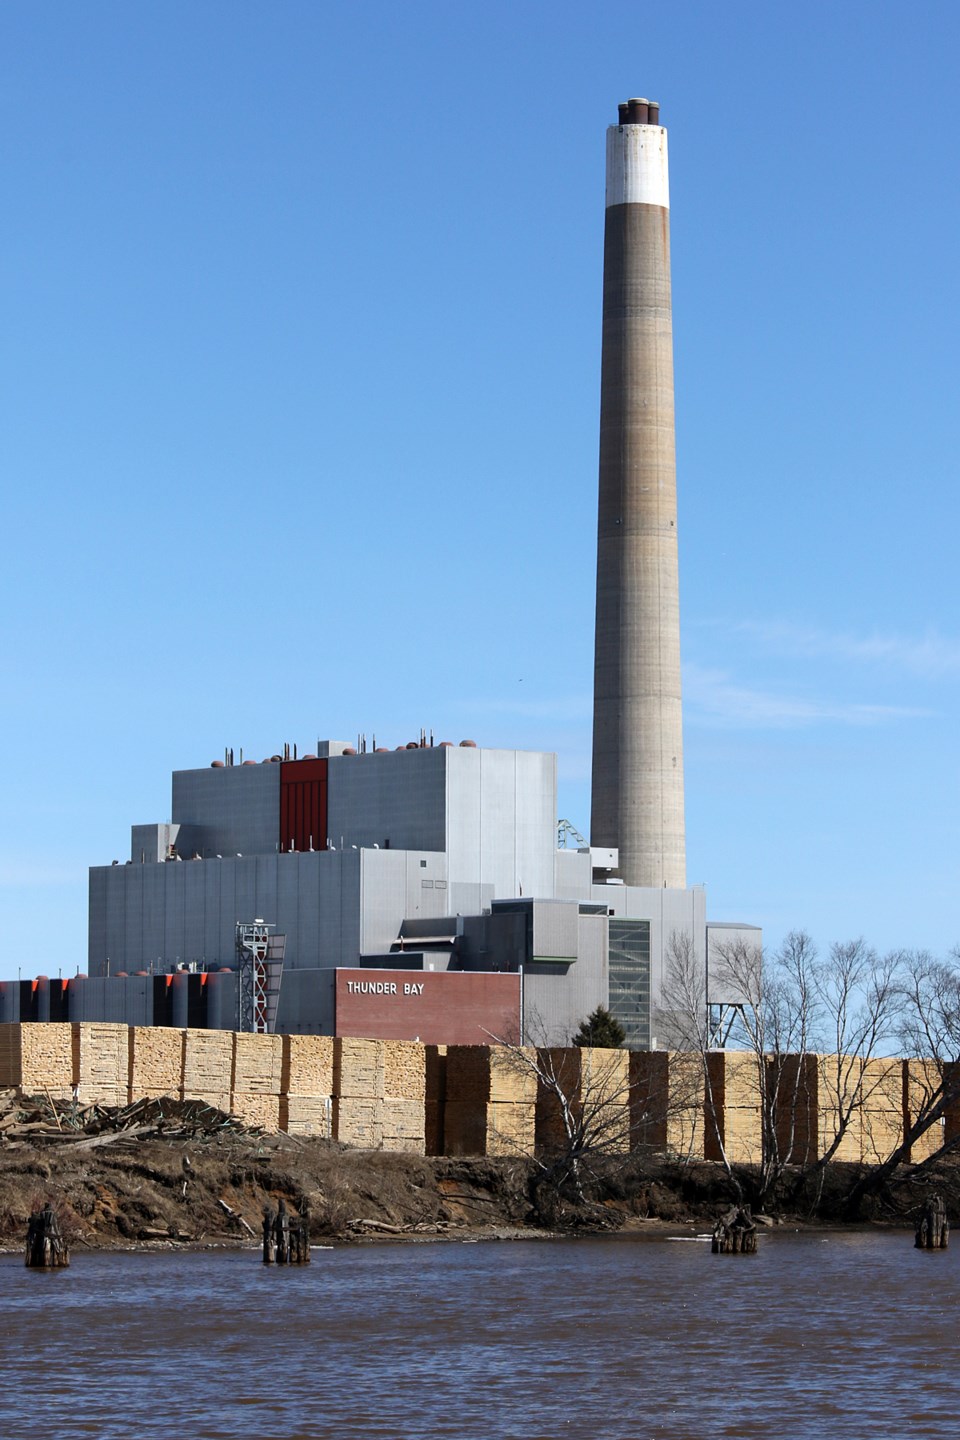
x: 37, y: 1059
x: 951, y: 1085
x: 793, y: 1087
x: 649, y: 1098
x: 208, y: 1067
x: 491, y: 1101
x: 733, y: 1114
x: 666, y: 1102
x: 881, y: 1111
x: 921, y: 1083
x: 594, y: 1087
x: 404, y: 1096
x: 306, y: 1085
x: 436, y: 1096
x: 358, y: 1067
x: 379, y: 1094
x: 837, y: 1079
x: 255, y: 1079
x: 101, y: 1062
x: 155, y: 1061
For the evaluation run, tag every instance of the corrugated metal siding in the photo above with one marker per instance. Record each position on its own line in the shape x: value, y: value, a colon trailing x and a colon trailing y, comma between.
x: 555, y: 931
x: 163, y: 1000
x: 303, y: 805
x: 9, y: 1001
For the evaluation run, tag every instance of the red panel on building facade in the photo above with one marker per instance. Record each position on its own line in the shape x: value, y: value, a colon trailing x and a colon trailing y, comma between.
x: 303, y: 805
x: 436, y: 1007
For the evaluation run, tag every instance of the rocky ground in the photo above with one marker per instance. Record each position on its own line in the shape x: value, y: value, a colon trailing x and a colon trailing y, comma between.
x: 165, y: 1173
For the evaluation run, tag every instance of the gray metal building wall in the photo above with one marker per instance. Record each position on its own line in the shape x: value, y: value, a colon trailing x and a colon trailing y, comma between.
x: 237, y: 808
x: 126, y: 1001
x: 557, y: 998
x: 398, y: 885
x: 724, y: 988
x: 152, y: 916
x: 502, y: 819
x: 573, y: 874
x: 9, y: 1002
x: 395, y: 799
x: 307, y: 1002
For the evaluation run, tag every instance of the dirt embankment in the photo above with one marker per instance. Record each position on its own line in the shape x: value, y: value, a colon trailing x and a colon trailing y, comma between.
x: 174, y: 1175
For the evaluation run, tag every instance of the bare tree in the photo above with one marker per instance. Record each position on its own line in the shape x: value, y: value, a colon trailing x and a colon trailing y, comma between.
x: 685, y: 1024
x: 773, y: 1022
x: 585, y: 1097
x: 929, y: 1038
x: 858, y: 993
x: 813, y: 1028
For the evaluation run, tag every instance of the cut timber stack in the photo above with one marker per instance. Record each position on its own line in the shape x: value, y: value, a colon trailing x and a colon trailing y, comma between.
x: 491, y: 1101
x: 155, y: 1062
x: 37, y: 1059
x: 649, y: 1098
x: 256, y: 1077
x: 306, y: 1085
x: 666, y: 1102
x: 101, y: 1059
x: 358, y: 1081
x: 379, y: 1094
x: 733, y: 1115
x: 881, y: 1110
x: 792, y: 1084
x: 208, y: 1067
x: 436, y: 1096
x: 594, y: 1085
x: 951, y: 1112
x: 921, y: 1091
x: 404, y: 1096
x: 838, y: 1108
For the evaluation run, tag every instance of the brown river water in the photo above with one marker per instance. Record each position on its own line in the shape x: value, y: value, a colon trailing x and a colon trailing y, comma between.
x: 832, y: 1335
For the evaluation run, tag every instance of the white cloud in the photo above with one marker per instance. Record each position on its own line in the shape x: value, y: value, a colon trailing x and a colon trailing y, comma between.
x: 929, y: 655
x: 711, y: 696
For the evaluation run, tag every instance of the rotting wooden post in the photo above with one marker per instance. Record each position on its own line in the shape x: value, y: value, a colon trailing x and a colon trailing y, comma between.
x: 46, y: 1247
x: 281, y: 1233
x: 300, y: 1241
x: 933, y: 1227
x: 268, y: 1224
x: 735, y: 1233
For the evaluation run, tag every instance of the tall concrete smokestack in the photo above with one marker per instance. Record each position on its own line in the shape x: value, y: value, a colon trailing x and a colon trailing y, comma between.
x: 637, y: 726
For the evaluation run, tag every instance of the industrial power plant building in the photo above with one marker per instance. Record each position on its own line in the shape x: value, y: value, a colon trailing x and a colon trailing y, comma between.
x: 420, y: 893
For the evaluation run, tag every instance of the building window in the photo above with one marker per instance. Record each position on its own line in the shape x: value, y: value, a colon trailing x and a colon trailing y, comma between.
x: 630, y: 979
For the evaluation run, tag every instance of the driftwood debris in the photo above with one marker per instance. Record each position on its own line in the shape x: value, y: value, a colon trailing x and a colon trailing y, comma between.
x: 235, y: 1215
x: 46, y: 1247
x: 44, y: 1120
x: 286, y: 1237
x: 933, y: 1227
x: 735, y: 1233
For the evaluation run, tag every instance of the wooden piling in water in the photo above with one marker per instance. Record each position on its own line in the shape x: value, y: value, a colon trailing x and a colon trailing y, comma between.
x: 933, y: 1227
x: 286, y: 1237
x: 735, y: 1233
x: 46, y: 1247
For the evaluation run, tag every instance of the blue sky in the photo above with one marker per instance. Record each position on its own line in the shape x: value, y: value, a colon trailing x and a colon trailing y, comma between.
x: 298, y: 419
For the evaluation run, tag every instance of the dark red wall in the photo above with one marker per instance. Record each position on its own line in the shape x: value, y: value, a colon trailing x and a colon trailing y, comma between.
x: 458, y: 1008
x: 303, y: 804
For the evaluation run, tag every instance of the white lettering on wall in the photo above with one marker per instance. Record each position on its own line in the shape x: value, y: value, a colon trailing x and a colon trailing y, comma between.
x: 383, y: 987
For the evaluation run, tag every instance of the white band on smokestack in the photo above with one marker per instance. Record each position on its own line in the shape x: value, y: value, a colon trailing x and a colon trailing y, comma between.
x: 637, y: 166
